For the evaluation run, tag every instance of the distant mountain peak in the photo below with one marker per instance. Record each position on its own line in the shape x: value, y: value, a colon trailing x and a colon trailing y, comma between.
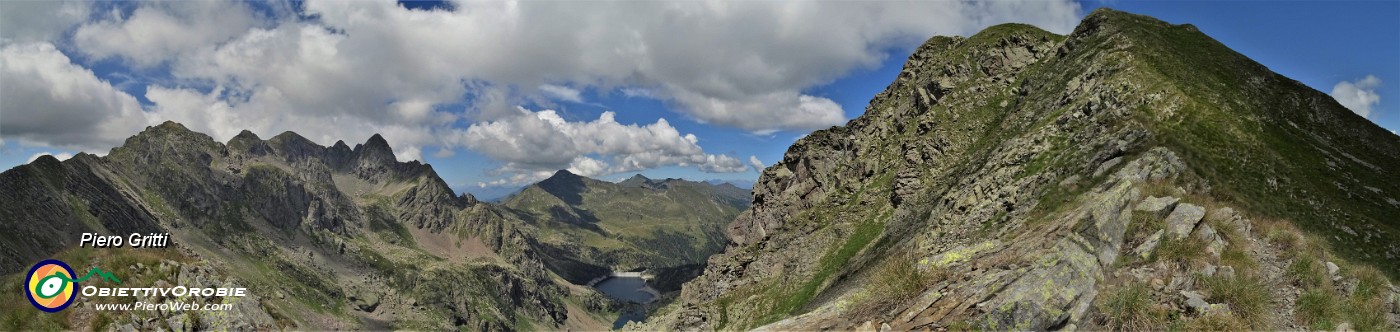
x: 563, y: 174
x: 637, y: 181
x: 290, y: 136
x: 375, y: 150
x: 245, y: 134
x: 377, y: 141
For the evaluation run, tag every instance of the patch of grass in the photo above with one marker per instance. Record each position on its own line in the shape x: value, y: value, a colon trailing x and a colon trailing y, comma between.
x: 1367, y: 315
x: 1132, y: 308
x: 896, y: 280
x: 1370, y: 283
x: 1144, y: 224
x: 1158, y: 188
x: 1248, y: 297
x: 1215, y: 322
x: 1308, y: 272
x: 1189, y: 252
x: 1317, y: 309
x: 864, y: 234
x: 1236, y: 256
x: 1286, y: 240
x: 1367, y: 301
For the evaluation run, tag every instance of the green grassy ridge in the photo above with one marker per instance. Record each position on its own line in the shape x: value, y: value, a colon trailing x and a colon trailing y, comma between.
x: 1238, y: 134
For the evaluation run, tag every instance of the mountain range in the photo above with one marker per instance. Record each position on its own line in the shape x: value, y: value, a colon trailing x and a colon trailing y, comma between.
x: 340, y: 237
x: 1131, y: 175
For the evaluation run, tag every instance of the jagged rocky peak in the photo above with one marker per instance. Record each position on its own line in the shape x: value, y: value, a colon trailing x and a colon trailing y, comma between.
x: 375, y: 150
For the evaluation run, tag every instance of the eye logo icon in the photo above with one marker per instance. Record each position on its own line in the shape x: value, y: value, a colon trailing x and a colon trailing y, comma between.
x: 50, y: 285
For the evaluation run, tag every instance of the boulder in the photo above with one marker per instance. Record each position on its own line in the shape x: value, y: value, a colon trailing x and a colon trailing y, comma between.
x: 1215, y: 245
x: 1196, y: 302
x: 1183, y: 220
x: 1228, y: 217
x: 1157, y: 206
x: 1332, y: 270
x: 1145, y: 249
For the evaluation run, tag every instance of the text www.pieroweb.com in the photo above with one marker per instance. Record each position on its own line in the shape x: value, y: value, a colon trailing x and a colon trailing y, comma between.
x: 168, y: 306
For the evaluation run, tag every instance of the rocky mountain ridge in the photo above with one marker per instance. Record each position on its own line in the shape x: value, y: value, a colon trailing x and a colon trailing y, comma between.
x: 994, y: 186
x: 342, y: 237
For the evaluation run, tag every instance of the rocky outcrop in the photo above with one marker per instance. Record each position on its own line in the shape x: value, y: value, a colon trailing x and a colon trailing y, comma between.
x: 1006, y: 168
x: 1183, y: 220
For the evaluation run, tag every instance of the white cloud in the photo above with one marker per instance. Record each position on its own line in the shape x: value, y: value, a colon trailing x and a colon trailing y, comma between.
x: 534, y: 144
x: 743, y: 65
x: 637, y: 93
x: 757, y: 165
x: 157, y: 31
x: 39, y: 21
x: 61, y: 156
x: 1359, y: 96
x: 346, y: 69
x: 49, y: 101
x: 722, y: 164
x: 562, y: 92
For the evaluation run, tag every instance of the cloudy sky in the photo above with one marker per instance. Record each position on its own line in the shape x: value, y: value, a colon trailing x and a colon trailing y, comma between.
x: 499, y: 94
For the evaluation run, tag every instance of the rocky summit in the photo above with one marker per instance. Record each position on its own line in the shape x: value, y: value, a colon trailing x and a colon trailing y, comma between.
x: 1131, y: 175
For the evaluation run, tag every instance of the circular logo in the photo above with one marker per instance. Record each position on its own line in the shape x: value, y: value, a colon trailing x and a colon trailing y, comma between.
x: 50, y: 285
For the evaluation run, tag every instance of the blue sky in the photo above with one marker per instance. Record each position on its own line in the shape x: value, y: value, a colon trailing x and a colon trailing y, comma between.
x: 496, y: 96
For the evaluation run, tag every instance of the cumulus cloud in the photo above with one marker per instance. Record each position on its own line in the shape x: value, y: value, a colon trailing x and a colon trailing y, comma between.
x: 61, y: 156
x: 757, y: 165
x: 39, y: 21
x: 48, y: 100
x: 158, y: 31
x: 534, y: 144
x: 1359, y: 96
x: 743, y: 65
x: 334, y: 70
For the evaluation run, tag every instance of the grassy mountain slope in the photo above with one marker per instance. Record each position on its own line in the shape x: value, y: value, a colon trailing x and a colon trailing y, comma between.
x: 589, y: 225
x: 1008, y: 180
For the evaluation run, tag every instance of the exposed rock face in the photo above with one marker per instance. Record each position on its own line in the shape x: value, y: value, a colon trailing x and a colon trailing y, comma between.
x: 1006, y: 168
x: 1158, y: 206
x: 1183, y: 220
